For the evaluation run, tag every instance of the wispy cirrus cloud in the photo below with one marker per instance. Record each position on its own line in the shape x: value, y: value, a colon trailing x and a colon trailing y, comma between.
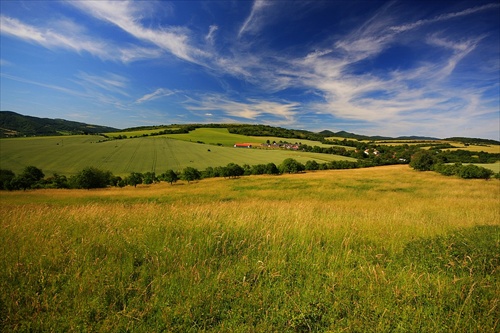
x: 158, y: 93
x: 255, y: 19
x: 69, y: 36
x: 210, y: 37
x: 44, y: 85
x: 52, y: 39
x: 423, y: 96
x: 443, y: 17
x: 108, y: 82
x: 127, y: 16
x: 264, y: 111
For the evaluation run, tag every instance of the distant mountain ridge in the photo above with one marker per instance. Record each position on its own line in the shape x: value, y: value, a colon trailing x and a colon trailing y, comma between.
x: 13, y: 124
x: 347, y: 135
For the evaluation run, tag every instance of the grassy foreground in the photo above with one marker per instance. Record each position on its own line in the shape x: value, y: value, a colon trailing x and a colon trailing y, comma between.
x: 365, y: 250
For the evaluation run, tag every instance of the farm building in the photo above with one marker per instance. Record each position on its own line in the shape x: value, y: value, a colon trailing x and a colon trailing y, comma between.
x: 242, y: 145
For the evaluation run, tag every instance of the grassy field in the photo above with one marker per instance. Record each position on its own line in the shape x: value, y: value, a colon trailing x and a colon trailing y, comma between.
x: 495, y: 167
x: 69, y: 154
x: 222, y: 136
x: 493, y: 149
x: 366, y: 250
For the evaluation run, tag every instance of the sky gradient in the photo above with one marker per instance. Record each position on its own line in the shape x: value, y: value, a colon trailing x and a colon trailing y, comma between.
x: 389, y: 68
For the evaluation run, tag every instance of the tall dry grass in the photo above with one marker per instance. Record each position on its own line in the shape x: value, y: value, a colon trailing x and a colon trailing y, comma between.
x: 376, y: 249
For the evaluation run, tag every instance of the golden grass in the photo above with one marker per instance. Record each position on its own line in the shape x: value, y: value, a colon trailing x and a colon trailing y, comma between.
x: 318, y: 250
x: 393, y: 202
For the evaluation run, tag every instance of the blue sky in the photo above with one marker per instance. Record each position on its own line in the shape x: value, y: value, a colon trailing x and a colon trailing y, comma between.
x: 370, y: 67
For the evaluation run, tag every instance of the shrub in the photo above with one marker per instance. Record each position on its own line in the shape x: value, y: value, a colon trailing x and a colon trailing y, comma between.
x: 447, y: 169
x: 473, y: 171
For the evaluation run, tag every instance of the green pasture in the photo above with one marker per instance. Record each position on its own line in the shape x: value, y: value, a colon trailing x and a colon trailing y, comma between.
x: 69, y: 154
x: 493, y: 149
x: 495, y: 167
x: 138, y: 133
x: 222, y: 136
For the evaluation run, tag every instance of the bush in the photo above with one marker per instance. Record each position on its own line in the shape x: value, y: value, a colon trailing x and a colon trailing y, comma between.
x: 447, y: 169
x: 473, y: 171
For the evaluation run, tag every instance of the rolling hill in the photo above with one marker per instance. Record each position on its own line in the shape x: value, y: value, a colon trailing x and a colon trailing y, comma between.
x: 13, y: 124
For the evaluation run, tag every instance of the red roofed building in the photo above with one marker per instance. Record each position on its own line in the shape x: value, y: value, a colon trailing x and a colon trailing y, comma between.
x: 242, y: 145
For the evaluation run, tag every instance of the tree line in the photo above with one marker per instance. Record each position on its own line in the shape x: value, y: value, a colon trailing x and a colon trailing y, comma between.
x: 425, y: 160
x: 90, y: 177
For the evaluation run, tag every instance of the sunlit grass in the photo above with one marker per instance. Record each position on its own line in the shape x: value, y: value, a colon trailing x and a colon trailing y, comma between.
x: 377, y: 249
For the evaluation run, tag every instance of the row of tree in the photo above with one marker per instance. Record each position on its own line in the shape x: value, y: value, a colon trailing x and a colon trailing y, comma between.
x: 33, y: 177
x: 427, y: 161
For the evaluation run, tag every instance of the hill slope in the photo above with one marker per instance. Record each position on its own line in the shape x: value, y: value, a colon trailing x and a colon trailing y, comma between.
x: 14, y: 124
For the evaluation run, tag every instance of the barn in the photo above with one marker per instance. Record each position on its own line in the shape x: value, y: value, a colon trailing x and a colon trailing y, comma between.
x: 242, y: 145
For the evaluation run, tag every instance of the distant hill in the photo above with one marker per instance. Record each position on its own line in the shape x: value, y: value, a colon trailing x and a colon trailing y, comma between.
x: 13, y: 124
x: 474, y: 141
x: 347, y: 135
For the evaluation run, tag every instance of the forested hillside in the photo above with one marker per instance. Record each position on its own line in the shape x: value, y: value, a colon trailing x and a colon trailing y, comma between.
x: 13, y: 124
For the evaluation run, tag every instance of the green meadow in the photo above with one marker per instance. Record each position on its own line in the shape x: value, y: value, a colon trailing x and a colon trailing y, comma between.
x: 69, y: 154
x: 222, y: 136
x: 385, y: 249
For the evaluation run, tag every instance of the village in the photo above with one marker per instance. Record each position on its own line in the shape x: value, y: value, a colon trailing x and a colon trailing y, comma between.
x: 274, y: 145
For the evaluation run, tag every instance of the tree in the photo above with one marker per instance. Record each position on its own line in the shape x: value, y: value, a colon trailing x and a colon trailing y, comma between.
x: 170, y: 176
x: 149, y: 178
x: 258, y: 169
x: 29, y: 178
x: 422, y: 160
x: 58, y: 181
x: 134, y: 178
x: 272, y: 169
x: 234, y: 170
x: 190, y: 174
x: 6, y: 177
x: 291, y: 165
x: 312, y: 165
x: 209, y: 172
x: 32, y: 174
x: 92, y: 178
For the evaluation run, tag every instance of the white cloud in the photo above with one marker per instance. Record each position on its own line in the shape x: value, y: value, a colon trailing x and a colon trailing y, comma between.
x: 127, y: 16
x: 158, y: 93
x: 252, y: 109
x: 68, y: 35
x: 255, y: 20
x: 5, y: 63
x: 52, y: 39
x: 443, y: 17
x: 210, y: 37
x: 110, y: 82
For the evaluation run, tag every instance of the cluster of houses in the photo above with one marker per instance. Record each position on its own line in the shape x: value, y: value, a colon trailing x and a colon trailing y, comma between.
x: 269, y: 145
x: 281, y: 145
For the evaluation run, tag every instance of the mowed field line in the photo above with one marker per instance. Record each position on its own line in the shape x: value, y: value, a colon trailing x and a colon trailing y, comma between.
x: 70, y: 154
